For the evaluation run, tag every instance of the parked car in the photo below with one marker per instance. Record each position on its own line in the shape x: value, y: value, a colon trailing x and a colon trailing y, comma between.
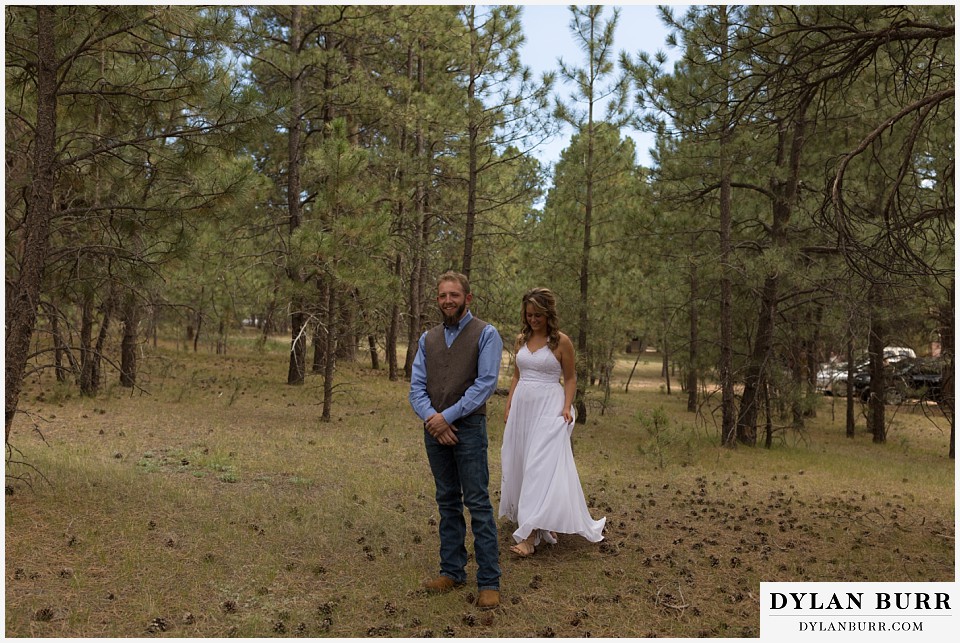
x: 861, y: 382
x: 828, y: 373
x: 908, y: 378
x: 838, y: 385
x: 836, y: 382
x: 923, y: 378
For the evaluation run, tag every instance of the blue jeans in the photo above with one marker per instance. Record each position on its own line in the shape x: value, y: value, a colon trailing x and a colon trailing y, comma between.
x: 462, y: 477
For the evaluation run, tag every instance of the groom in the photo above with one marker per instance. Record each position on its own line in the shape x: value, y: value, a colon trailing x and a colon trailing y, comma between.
x: 454, y: 372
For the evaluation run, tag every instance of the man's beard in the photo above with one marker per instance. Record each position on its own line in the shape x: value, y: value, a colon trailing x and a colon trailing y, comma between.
x: 455, y: 318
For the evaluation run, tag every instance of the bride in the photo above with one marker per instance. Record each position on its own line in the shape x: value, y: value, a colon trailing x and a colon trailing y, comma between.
x: 540, y: 490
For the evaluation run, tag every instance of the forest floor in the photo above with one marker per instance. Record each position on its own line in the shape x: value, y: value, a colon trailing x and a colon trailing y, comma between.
x: 215, y: 503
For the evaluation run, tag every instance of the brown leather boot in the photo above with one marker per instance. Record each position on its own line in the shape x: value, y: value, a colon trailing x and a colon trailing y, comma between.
x: 441, y: 584
x: 488, y: 599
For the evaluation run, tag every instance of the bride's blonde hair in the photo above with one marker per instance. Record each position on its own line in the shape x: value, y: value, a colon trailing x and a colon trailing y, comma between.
x: 543, y: 301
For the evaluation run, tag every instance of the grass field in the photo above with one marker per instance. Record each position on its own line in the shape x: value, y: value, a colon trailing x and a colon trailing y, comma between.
x: 217, y: 504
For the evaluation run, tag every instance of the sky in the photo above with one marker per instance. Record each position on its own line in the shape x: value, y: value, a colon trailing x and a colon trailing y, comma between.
x: 548, y: 38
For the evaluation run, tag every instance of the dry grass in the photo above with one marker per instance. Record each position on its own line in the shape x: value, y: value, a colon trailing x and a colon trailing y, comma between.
x: 219, y: 505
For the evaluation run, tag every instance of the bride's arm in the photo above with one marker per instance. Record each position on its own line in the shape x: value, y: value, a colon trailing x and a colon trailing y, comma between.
x: 569, y: 367
x: 513, y: 385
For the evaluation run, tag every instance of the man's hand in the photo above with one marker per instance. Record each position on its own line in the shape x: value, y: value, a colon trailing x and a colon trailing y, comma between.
x: 442, y: 432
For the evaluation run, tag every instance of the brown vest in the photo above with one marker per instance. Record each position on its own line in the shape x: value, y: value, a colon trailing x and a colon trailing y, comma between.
x: 451, y: 371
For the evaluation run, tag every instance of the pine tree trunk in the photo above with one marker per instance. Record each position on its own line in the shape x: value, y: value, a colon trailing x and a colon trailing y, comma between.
x: 725, y: 367
x: 86, y: 348
x: 876, y: 407
x: 108, y: 310
x: 851, y: 410
x: 23, y: 298
x: 374, y: 355
x: 693, y: 372
x: 665, y: 370
x: 92, y: 352
x: 583, y: 303
x: 369, y: 326
x: 128, y: 344
x: 393, y: 330
x: 396, y: 321
x: 759, y: 358
x: 319, y: 337
x: 796, y: 374
x: 765, y: 387
x: 473, y: 131
x: 199, y: 321
x: 728, y: 431
x: 413, y: 325
x: 948, y: 356
x: 267, y: 324
x: 784, y: 191
x: 154, y: 322
x: 346, y: 334
x: 60, y: 348
x: 813, y: 363
x: 418, y: 274
x: 57, y: 348
x: 221, y: 338
x: 296, y: 372
x: 626, y: 387
x: 319, y: 342
x: 331, y: 353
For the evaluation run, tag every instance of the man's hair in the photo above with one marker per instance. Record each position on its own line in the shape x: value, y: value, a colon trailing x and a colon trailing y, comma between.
x: 453, y: 275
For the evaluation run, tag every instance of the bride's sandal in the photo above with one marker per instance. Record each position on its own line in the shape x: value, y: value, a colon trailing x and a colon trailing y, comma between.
x: 523, y: 549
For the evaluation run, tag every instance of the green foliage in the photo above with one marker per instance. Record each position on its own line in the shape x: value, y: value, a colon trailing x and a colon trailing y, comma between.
x: 750, y: 83
x: 149, y: 121
x: 347, y: 239
x: 620, y: 217
x: 659, y: 437
x: 180, y: 131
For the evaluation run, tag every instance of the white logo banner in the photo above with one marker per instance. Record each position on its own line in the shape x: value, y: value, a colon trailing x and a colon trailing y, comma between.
x: 858, y: 611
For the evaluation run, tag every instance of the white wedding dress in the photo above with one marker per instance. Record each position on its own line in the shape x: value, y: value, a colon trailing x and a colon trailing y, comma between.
x: 540, y: 488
